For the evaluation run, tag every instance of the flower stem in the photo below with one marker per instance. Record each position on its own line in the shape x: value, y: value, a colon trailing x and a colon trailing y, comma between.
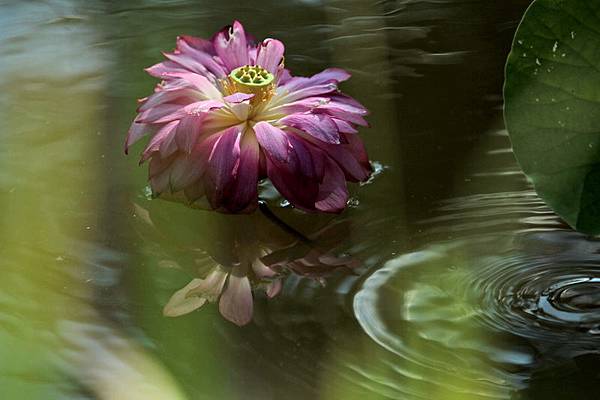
x: 264, y: 208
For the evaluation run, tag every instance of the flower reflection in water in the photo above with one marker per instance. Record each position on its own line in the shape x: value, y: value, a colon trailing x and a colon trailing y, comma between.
x: 250, y: 253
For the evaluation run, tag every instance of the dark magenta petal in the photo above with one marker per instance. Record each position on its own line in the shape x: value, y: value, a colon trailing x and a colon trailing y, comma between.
x: 343, y: 126
x: 223, y: 158
x: 320, y: 126
x: 231, y: 46
x: 242, y: 194
x: 351, y: 156
x: 298, y: 178
x: 333, y: 193
x: 270, y: 54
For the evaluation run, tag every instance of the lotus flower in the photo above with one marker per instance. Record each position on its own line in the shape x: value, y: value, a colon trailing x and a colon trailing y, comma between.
x: 227, y: 114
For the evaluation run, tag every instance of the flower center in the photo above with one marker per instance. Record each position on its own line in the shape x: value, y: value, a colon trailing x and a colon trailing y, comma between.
x: 251, y: 79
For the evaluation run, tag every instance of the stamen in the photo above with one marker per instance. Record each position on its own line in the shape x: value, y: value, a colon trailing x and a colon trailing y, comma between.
x: 251, y: 79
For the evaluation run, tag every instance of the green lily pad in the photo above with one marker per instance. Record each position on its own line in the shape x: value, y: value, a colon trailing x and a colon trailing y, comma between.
x: 552, y: 106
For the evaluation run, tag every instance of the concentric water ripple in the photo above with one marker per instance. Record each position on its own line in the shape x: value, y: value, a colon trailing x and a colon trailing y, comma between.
x: 548, y: 289
x: 485, y: 312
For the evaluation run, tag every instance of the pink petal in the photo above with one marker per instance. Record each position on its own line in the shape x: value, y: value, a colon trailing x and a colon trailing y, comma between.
x: 160, y: 112
x: 319, y: 126
x: 231, y: 46
x: 330, y: 75
x: 236, y: 301
x: 203, y: 52
x: 162, y: 141
x: 166, y: 96
x: 300, y: 106
x: 270, y: 54
x: 309, y: 91
x: 188, y: 131
x: 136, y: 132
x: 184, y: 171
x: 273, y: 140
x: 188, y: 62
x: 184, y: 42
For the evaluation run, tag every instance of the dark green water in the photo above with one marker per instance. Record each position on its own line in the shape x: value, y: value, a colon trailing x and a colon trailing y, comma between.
x: 467, y: 286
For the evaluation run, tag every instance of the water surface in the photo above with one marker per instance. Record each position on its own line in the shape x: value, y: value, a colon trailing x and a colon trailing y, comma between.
x: 465, y: 285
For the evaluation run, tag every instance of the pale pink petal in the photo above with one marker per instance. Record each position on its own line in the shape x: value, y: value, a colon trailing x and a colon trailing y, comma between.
x: 204, y: 86
x: 211, y: 287
x: 238, y: 97
x: 273, y: 288
x: 162, y: 69
x: 236, y: 303
x: 181, y: 303
x: 270, y: 54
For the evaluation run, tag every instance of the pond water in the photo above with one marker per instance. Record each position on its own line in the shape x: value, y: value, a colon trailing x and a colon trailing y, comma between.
x: 465, y: 285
